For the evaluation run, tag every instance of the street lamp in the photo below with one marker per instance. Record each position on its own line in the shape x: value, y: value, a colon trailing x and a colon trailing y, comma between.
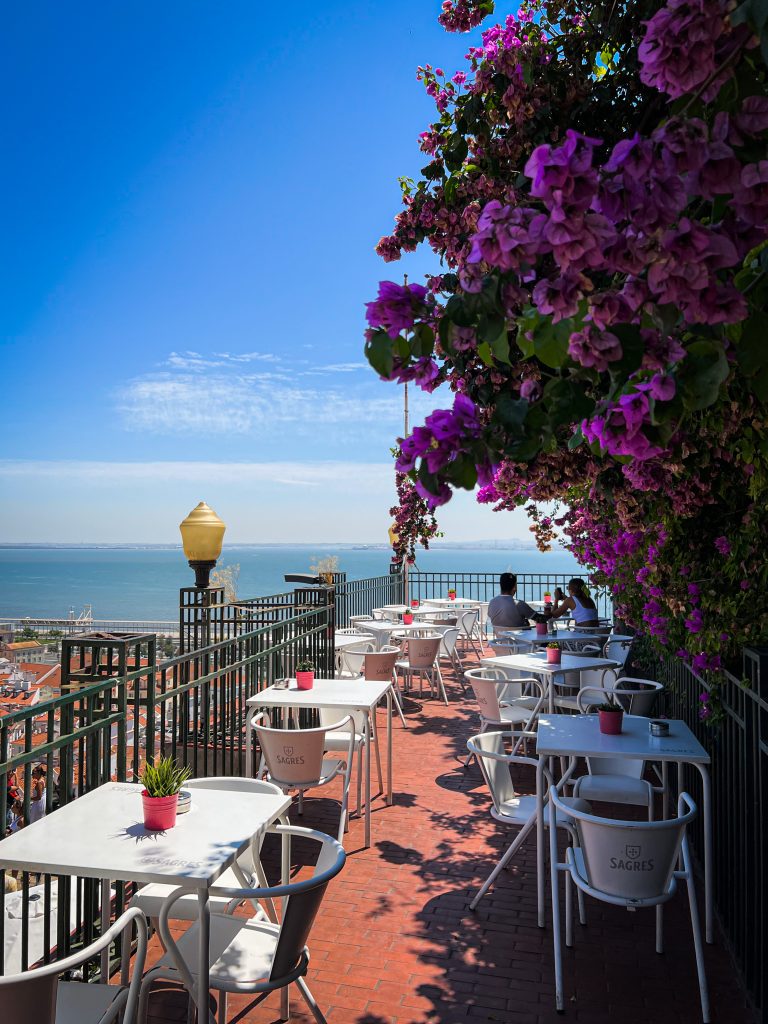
x: 202, y: 534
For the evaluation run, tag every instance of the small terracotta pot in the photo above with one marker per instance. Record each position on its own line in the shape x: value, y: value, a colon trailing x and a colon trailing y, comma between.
x: 305, y: 680
x: 610, y: 722
x: 554, y: 655
x: 541, y: 629
x: 159, y: 811
x: 407, y: 618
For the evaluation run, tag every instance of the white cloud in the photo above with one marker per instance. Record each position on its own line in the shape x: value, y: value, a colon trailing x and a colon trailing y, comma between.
x: 194, y: 402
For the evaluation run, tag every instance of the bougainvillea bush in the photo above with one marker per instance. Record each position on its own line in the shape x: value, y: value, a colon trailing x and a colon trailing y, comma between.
x: 596, y: 190
x: 414, y: 520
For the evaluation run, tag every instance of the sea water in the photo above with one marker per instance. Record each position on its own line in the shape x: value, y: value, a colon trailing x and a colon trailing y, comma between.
x: 143, y: 582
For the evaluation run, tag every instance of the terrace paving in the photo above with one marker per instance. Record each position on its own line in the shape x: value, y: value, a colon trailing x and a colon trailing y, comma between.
x: 395, y: 942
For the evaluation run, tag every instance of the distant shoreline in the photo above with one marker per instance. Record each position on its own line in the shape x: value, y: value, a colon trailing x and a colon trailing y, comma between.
x: 484, y: 545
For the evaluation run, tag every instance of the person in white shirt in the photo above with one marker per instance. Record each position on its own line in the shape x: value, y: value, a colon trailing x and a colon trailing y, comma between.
x: 578, y: 606
x: 504, y: 610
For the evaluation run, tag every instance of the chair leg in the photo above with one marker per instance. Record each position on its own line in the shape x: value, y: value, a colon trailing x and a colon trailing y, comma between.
x: 378, y: 759
x: 568, y: 910
x: 398, y: 704
x: 440, y: 686
x: 659, y: 927
x: 309, y: 999
x: 222, y: 1007
x: 513, y: 848
x: 698, y: 945
x: 285, y: 1004
x: 360, y: 781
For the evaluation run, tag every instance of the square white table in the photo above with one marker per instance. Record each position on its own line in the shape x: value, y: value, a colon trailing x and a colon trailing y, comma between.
x: 102, y: 835
x: 537, y: 664
x: 577, y: 736
x: 350, y: 694
x: 446, y: 602
x: 380, y: 630
x: 565, y: 636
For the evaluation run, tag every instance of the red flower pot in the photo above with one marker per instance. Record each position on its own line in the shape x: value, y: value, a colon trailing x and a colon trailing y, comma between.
x: 610, y: 722
x: 414, y: 604
x: 451, y: 597
x: 305, y: 680
x: 554, y: 655
x: 547, y: 599
x: 541, y: 629
x: 407, y: 618
x: 159, y: 811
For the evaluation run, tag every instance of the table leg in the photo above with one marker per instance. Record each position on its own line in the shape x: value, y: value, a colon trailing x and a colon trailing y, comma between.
x: 202, y: 995
x: 540, y: 840
x: 367, y: 734
x: 390, y: 701
x: 285, y: 877
x: 105, y: 919
x: 707, y: 810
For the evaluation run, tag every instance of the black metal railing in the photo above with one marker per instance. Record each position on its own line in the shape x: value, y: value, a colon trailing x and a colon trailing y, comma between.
x: 482, y: 586
x: 738, y: 746
x: 360, y: 597
x: 192, y: 707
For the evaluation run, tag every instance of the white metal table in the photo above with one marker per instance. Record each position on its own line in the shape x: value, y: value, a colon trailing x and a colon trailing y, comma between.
x: 446, y: 602
x: 577, y: 736
x: 537, y: 664
x: 565, y: 636
x: 102, y: 835
x: 351, y: 694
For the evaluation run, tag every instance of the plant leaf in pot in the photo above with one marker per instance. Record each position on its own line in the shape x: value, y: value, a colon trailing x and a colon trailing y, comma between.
x: 305, y: 674
x: 162, y: 779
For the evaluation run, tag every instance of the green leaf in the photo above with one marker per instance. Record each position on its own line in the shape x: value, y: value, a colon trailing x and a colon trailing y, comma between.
x: 510, y: 411
x: 566, y: 401
x: 632, y: 347
x: 752, y: 12
x: 576, y: 438
x: 485, y: 353
x: 423, y: 340
x: 752, y: 349
x: 379, y: 353
x: 702, y: 372
x: 493, y: 331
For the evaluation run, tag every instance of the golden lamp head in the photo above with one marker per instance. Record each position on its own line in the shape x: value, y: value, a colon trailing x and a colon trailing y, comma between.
x: 202, y: 534
x: 394, y: 536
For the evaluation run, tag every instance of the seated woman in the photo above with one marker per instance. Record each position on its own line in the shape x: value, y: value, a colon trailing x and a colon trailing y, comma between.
x: 578, y: 605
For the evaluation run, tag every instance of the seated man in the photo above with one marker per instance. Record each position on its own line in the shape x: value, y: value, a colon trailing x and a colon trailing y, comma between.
x: 504, y: 610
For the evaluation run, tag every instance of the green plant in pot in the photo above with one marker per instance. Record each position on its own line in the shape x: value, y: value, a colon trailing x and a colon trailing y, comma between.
x: 162, y: 779
x: 553, y: 654
x: 610, y: 714
x: 305, y: 674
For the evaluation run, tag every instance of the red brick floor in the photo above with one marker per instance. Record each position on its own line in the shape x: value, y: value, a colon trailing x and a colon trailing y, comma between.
x: 395, y: 942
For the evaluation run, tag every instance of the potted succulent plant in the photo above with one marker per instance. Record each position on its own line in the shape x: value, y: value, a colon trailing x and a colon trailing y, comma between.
x: 452, y: 594
x: 407, y: 618
x: 305, y: 674
x: 553, y: 654
x: 547, y: 597
x: 414, y: 603
x: 162, y: 779
x: 610, y: 715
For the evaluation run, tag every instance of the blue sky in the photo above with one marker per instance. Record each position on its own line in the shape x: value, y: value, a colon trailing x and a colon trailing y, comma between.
x: 191, y: 197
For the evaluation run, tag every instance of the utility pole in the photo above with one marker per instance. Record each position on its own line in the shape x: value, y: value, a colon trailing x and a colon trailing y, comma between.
x: 405, y: 434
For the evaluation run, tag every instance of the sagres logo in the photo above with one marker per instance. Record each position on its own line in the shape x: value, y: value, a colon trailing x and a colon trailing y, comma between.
x: 287, y: 751
x: 632, y: 860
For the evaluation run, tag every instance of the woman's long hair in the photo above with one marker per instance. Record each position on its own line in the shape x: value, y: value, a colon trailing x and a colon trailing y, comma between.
x: 580, y: 587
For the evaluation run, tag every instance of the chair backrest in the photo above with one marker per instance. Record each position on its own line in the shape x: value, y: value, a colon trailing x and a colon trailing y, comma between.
x: 236, y: 783
x: 448, y: 642
x: 638, y: 695
x: 29, y: 998
x: 379, y: 613
x: 468, y: 620
x: 486, y: 693
x: 422, y: 651
x: 380, y: 665
x: 353, y: 657
x: 294, y: 757
x: 617, y: 650
x: 495, y: 770
x: 630, y: 860
x: 353, y: 630
x: 304, y: 899
x: 360, y: 618
x: 597, y: 678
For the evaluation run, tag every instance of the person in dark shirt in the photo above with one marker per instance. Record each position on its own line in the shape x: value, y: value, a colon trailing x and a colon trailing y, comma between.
x: 504, y: 610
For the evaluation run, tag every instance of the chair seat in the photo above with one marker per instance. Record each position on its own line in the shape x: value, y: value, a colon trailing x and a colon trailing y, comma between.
x: 615, y: 789
x: 241, y: 950
x: 521, y: 808
x: 150, y: 898
x: 339, y: 740
x: 80, y: 1003
x: 406, y: 667
x: 331, y: 767
x: 510, y: 716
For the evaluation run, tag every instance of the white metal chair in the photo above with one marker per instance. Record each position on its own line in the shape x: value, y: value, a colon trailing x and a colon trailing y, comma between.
x: 38, y: 997
x: 508, y: 807
x: 295, y: 759
x: 355, y: 620
x: 380, y: 666
x: 629, y: 864
x: 617, y: 650
x: 250, y: 955
x: 592, y: 679
x: 247, y: 869
x: 503, y: 701
x: 422, y: 658
x: 353, y: 656
x: 468, y: 622
x: 355, y: 630
x: 449, y: 652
